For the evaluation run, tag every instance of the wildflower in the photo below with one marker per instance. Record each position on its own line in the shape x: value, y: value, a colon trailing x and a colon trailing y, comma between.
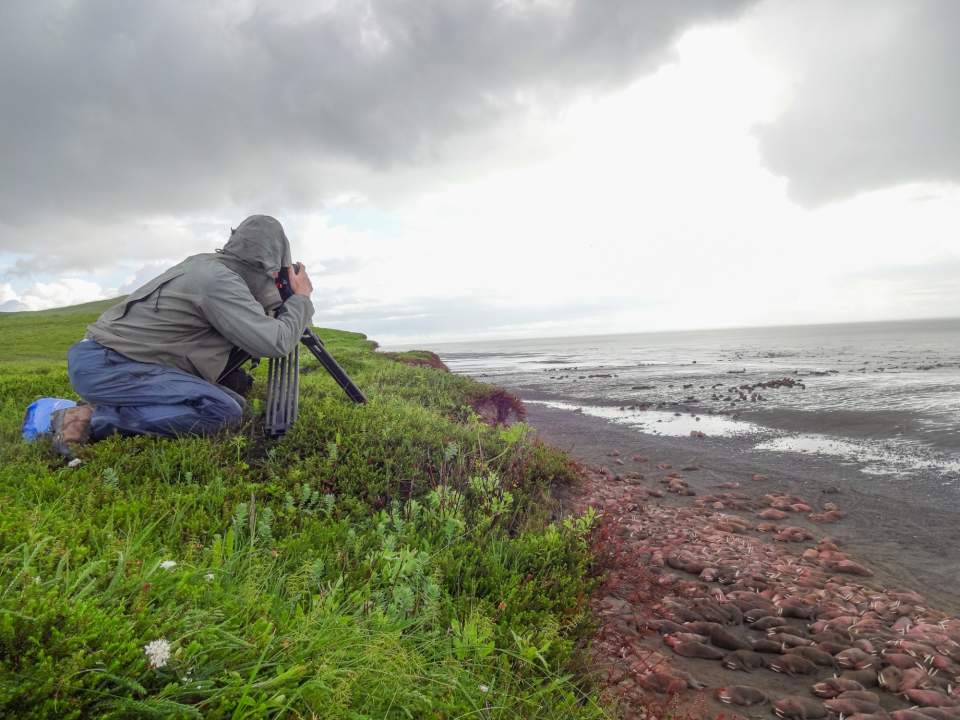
x: 484, y: 688
x: 158, y: 652
x: 168, y: 564
x: 208, y: 577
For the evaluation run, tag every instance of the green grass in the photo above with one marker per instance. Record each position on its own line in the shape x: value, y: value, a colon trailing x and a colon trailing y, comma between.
x: 389, y: 560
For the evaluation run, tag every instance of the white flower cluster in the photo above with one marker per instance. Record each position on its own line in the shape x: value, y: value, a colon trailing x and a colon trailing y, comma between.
x: 158, y: 652
x: 168, y: 564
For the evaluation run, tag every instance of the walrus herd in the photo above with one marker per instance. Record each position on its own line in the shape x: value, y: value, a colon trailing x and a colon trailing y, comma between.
x: 693, y: 590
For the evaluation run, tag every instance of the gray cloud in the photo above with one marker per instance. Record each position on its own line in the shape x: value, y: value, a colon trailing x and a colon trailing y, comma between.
x: 876, y: 101
x: 116, y: 110
x: 456, y: 316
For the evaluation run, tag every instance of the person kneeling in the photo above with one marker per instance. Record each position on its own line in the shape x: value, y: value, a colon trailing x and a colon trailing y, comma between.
x: 154, y: 363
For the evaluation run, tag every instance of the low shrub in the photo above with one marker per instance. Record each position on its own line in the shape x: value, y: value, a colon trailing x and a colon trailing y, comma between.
x: 390, y: 560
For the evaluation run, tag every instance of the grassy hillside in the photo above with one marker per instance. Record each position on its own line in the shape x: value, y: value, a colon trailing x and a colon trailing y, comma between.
x: 391, y: 560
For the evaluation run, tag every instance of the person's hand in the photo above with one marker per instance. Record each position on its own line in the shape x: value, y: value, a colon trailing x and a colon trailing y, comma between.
x: 299, y: 280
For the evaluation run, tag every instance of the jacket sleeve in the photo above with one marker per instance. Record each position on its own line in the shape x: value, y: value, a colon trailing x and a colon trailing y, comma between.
x: 234, y: 313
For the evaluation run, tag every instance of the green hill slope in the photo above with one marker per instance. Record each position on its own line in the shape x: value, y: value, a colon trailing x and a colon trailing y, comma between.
x: 390, y: 560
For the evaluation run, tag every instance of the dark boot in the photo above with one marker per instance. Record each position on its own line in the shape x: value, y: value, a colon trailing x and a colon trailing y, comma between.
x: 70, y: 427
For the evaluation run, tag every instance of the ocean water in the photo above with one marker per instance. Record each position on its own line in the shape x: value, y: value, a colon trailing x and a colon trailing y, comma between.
x: 883, y: 396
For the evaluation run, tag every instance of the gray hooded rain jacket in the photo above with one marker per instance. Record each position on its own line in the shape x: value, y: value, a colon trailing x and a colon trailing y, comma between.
x: 192, y: 316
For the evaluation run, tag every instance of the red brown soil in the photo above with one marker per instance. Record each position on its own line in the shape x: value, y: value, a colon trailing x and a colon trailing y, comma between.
x: 496, y: 406
x: 419, y: 358
x: 668, y: 553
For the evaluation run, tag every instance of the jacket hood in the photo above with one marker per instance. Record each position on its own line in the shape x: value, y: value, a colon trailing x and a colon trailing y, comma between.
x: 259, y: 241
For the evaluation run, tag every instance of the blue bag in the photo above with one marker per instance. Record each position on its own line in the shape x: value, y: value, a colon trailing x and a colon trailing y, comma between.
x: 36, y: 421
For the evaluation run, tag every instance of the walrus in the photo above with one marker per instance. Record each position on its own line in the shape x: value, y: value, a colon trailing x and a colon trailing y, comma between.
x: 768, y: 623
x: 691, y: 681
x: 727, y: 640
x: 686, y: 563
x: 899, y: 660
x: 916, y: 677
x: 663, y: 683
x: 867, y: 678
x: 745, y: 660
x: 832, y: 647
x: 666, y: 627
x: 710, y: 612
x: 702, y: 627
x: 930, y: 698
x: 814, y: 655
x: 848, y: 567
x: 752, y: 614
x: 940, y: 713
x: 890, y: 678
x: 794, y: 707
x: 849, y: 706
x: 856, y: 659
x: 733, y: 613
x: 741, y: 695
x: 796, y: 609
x: 766, y: 646
x: 908, y: 714
x: 695, y: 650
x: 689, y: 637
x: 792, y: 665
x: 831, y: 687
x: 787, y: 639
x: 684, y: 614
x: 842, y: 639
x: 752, y: 602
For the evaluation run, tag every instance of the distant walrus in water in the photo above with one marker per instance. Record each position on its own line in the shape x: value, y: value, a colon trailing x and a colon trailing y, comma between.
x: 795, y: 707
x: 743, y: 695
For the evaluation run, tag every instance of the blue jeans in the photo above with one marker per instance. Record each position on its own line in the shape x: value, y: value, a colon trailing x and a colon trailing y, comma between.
x: 137, y: 398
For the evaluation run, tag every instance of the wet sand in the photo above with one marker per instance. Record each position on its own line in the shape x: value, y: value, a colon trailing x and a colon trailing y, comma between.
x: 908, y: 541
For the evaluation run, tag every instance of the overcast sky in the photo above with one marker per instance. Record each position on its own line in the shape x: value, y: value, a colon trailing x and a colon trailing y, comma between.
x: 451, y: 169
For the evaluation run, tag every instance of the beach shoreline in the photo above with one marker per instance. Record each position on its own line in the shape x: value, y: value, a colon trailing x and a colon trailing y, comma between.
x: 912, y: 539
x: 907, y: 542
